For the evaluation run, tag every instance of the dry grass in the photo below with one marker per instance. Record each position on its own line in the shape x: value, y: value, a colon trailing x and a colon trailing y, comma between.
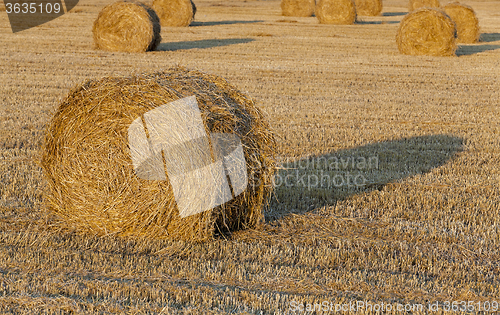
x: 424, y: 229
x: 466, y: 21
x: 175, y: 12
x: 417, y: 4
x: 368, y: 7
x: 297, y: 7
x: 128, y: 27
x: 427, y: 32
x: 336, y: 11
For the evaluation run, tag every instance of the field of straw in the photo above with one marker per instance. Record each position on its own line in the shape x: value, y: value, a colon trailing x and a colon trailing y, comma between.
x: 388, y: 193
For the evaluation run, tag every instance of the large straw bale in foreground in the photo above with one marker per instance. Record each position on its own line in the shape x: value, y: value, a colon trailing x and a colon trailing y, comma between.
x: 175, y: 12
x: 427, y: 32
x: 336, y: 11
x: 417, y: 4
x: 466, y: 21
x: 127, y: 27
x: 302, y: 8
x: 368, y: 7
x: 88, y: 157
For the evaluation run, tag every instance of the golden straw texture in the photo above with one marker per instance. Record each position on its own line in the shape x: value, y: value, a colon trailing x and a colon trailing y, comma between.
x: 368, y: 7
x: 427, y: 32
x: 298, y: 7
x: 127, y: 27
x: 336, y: 11
x: 417, y: 4
x: 175, y: 12
x: 466, y: 20
x: 87, y: 161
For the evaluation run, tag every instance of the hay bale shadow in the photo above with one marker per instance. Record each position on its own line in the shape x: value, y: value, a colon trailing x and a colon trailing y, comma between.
x: 394, y: 13
x: 213, y: 23
x: 464, y: 50
x: 489, y: 37
x: 307, y: 184
x: 376, y: 22
x: 202, y: 44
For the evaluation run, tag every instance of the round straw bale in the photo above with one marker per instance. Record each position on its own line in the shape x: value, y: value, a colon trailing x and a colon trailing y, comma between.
x: 297, y: 7
x: 427, y: 32
x: 175, y: 12
x: 128, y: 27
x: 336, y: 11
x: 88, y: 156
x: 466, y: 20
x: 417, y: 4
x: 368, y: 7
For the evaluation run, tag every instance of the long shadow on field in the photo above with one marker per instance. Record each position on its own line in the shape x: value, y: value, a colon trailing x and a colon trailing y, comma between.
x: 490, y: 37
x: 202, y: 44
x: 474, y: 49
x: 307, y: 184
x: 377, y: 22
x: 223, y: 23
x: 394, y: 13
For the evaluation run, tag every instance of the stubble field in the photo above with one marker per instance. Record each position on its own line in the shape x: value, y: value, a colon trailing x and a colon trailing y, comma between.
x: 388, y: 192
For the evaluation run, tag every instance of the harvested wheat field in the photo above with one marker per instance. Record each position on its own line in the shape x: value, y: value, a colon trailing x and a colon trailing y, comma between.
x: 387, y: 196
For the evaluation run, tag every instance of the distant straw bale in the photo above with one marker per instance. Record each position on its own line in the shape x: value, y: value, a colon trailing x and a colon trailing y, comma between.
x: 427, y: 32
x: 297, y: 7
x: 92, y: 146
x: 368, y: 7
x: 417, y: 4
x: 175, y: 12
x: 336, y: 11
x: 127, y: 27
x: 466, y: 20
